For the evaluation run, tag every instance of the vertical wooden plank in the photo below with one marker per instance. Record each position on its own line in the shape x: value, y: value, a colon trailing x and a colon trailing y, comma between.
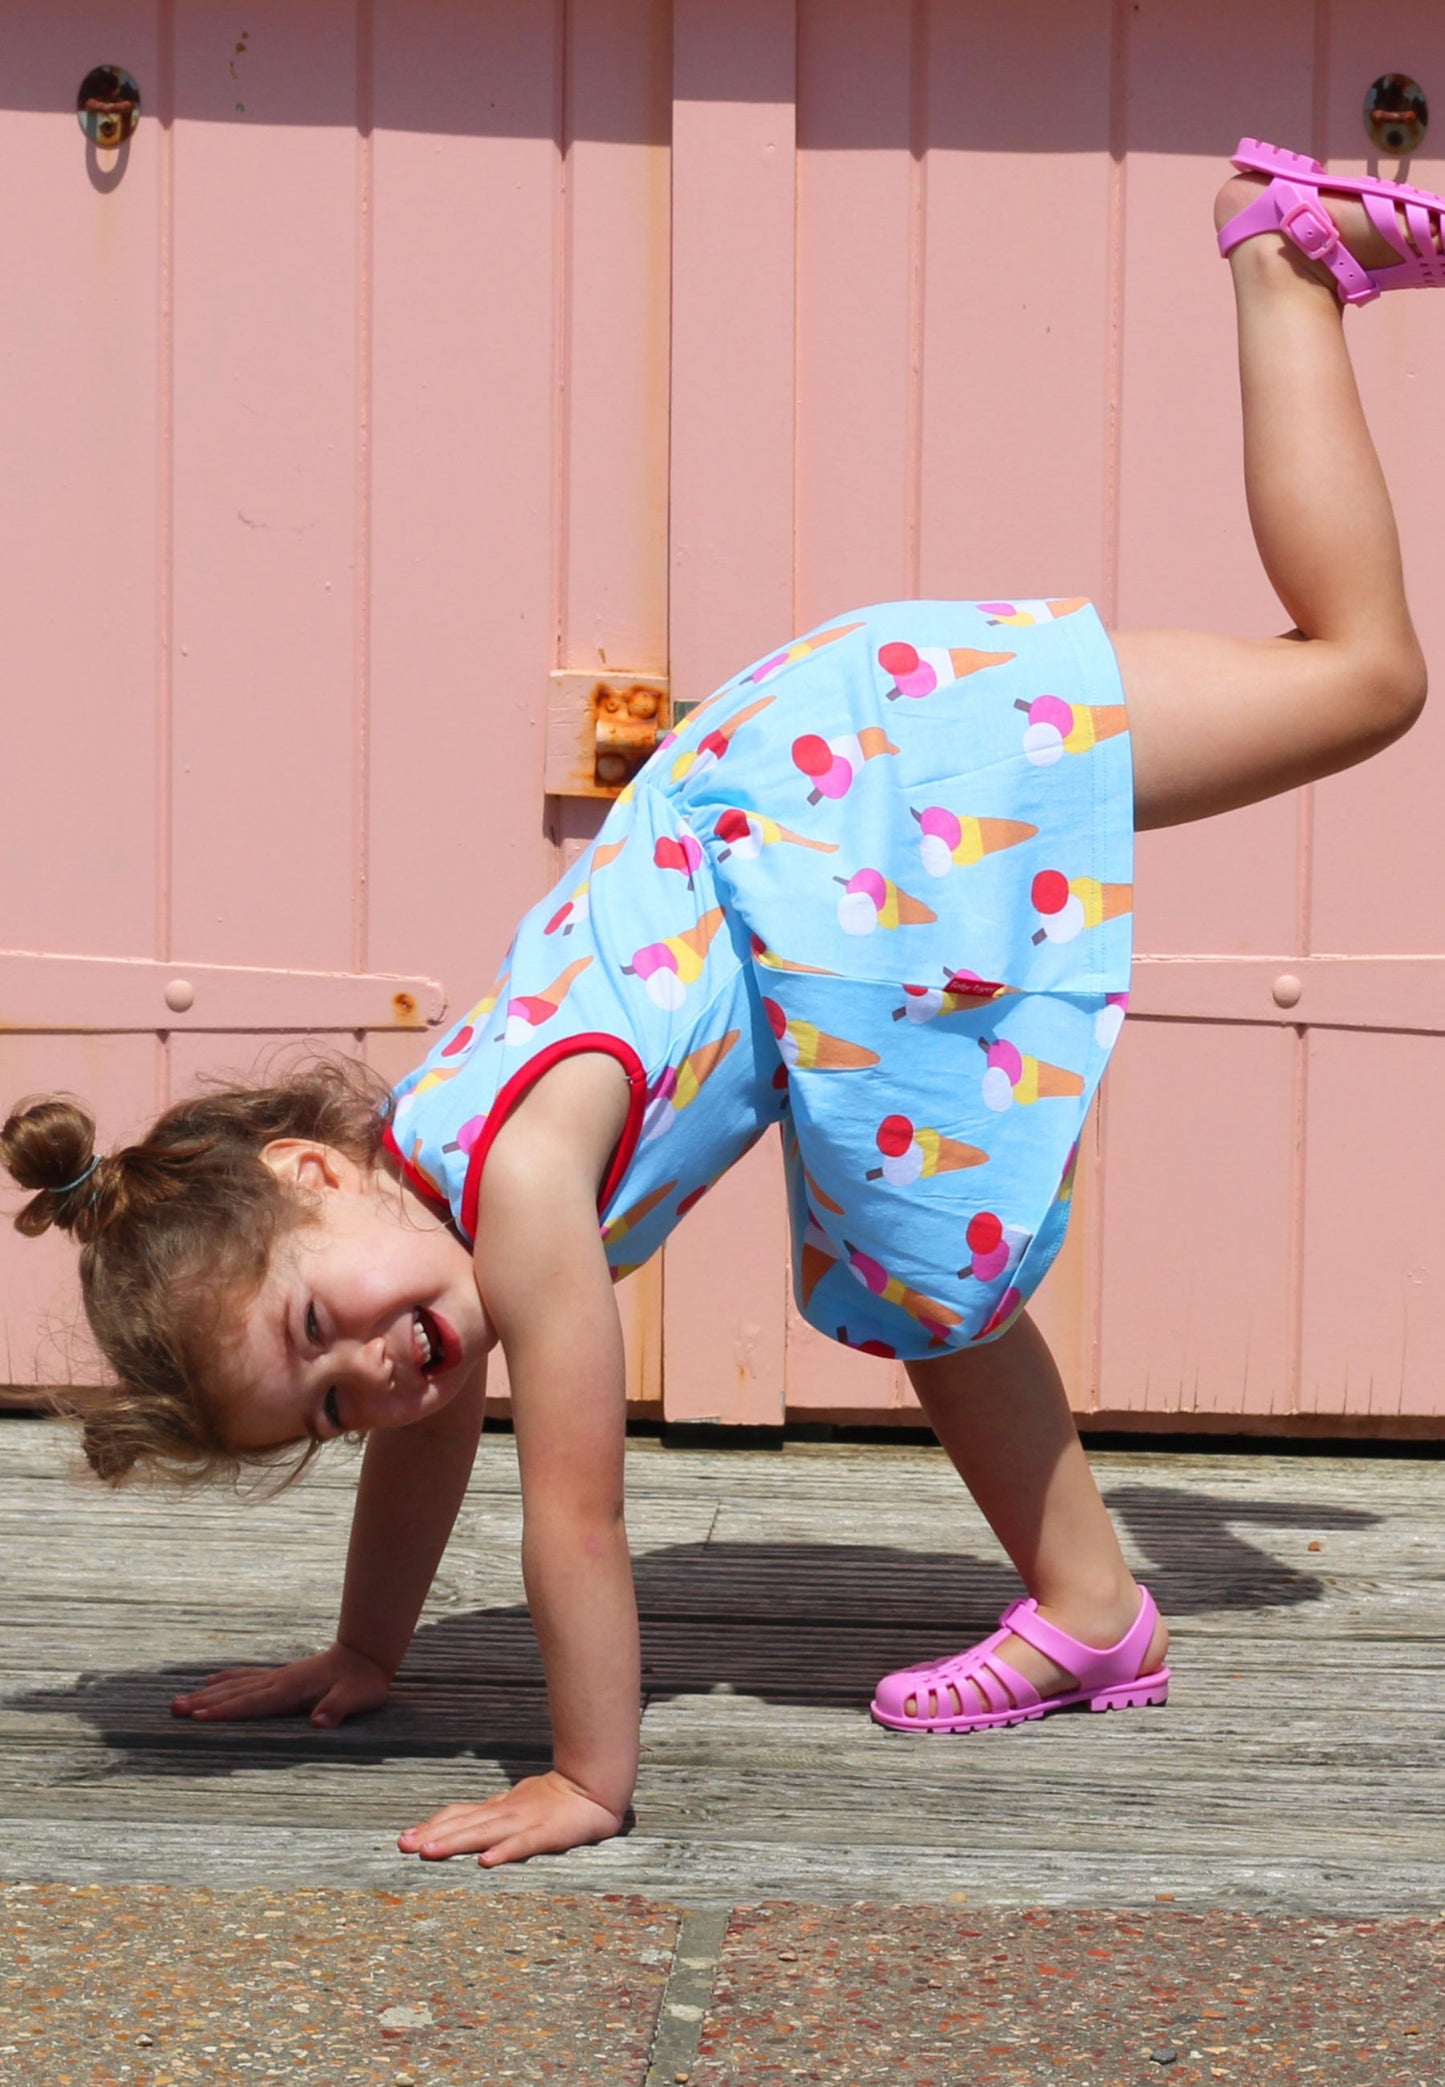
x: 1368, y: 896
x: 725, y: 1279
x: 265, y: 429
x: 1186, y: 554
x: 78, y: 431
x: 42, y: 1326
x: 613, y: 577
x: 462, y: 463
x: 1197, y: 1219
x: 1015, y: 317
x: 858, y: 255
x: 1374, y: 1269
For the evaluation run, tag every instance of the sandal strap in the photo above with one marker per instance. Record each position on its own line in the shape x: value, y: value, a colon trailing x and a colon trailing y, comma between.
x: 1092, y: 1666
x: 1303, y: 219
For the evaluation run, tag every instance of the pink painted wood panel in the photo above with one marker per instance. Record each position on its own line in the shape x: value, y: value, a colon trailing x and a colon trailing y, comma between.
x: 414, y: 353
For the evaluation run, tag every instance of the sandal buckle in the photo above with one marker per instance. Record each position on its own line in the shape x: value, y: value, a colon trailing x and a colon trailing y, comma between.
x: 1310, y: 226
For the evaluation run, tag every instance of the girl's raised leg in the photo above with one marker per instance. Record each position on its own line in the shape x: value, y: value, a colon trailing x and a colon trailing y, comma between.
x: 1002, y: 1414
x: 1217, y: 721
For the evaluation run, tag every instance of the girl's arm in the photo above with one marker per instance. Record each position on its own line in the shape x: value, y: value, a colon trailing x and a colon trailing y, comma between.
x: 413, y: 1480
x: 548, y: 1291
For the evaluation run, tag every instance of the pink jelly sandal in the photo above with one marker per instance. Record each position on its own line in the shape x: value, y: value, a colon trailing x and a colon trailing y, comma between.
x: 1291, y: 204
x: 941, y: 1691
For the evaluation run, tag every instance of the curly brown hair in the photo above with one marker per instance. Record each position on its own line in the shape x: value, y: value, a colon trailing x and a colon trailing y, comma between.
x: 176, y: 1234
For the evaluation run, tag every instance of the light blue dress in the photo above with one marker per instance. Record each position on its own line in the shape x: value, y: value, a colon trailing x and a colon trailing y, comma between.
x: 877, y: 890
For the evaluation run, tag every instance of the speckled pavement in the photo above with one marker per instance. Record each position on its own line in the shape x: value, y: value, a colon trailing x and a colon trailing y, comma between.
x: 161, y: 1985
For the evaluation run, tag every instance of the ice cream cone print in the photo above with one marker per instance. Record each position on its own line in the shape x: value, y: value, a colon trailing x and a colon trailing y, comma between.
x: 774, y: 962
x: 1021, y: 614
x: 437, y: 1077
x: 946, y: 838
x: 627, y: 1219
x: 995, y: 1249
x: 817, y: 1257
x: 746, y: 834
x: 1068, y: 905
x: 714, y: 744
x: 1066, y: 1180
x: 570, y: 914
x: 803, y: 1047
x: 528, y: 1011
x: 960, y: 990
x: 478, y: 1014
x: 677, y: 1085
x: 800, y: 649
x: 608, y: 852
x: 870, y: 900
x: 668, y: 968
x: 423, y: 1174
x: 833, y: 765
x: 694, y: 1196
x: 1056, y: 728
x: 934, y: 1317
x: 1013, y: 1075
x: 682, y: 853
x: 820, y: 1195
x: 911, y: 1154
x: 917, y: 671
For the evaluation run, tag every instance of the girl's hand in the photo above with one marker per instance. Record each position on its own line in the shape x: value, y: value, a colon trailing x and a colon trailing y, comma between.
x: 335, y: 1684
x: 541, y: 1815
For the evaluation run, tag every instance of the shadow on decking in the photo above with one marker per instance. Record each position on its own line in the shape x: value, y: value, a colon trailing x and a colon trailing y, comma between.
x: 790, y: 1623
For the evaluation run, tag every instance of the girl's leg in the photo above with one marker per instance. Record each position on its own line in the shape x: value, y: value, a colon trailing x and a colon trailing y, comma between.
x: 1001, y: 1413
x: 1218, y: 722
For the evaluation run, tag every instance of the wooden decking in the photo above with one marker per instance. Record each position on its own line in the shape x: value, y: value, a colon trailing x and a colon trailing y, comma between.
x: 1297, y: 1765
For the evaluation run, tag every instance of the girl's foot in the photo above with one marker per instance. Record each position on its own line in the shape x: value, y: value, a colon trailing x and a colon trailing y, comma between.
x: 1029, y: 1666
x: 1099, y: 1625
x: 1352, y: 221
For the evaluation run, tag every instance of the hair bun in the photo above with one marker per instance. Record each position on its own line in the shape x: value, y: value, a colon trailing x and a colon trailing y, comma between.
x: 47, y: 1143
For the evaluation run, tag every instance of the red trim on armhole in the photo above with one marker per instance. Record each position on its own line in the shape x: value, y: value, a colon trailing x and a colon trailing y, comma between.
x: 413, y: 1178
x: 512, y: 1091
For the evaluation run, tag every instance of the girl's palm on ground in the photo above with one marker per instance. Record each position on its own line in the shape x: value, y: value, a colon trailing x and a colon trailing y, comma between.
x: 541, y: 1815
x: 333, y: 1685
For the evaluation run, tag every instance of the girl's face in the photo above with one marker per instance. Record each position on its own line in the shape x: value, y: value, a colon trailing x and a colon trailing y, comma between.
x: 369, y: 1316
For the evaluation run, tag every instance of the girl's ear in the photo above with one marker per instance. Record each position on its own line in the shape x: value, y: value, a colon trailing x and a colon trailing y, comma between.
x: 302, y: 1163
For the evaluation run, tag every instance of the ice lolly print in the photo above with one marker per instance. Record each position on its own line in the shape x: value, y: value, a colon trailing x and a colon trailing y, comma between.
x: 1056, y: 728
x: 918, y: 672
x: 1068, y: 905
x: 668, y: 968
x: 806, y: 1048
x: 960, y: 990
x: 995, y: 1248
x: 1012, y: 1075
x: 911, y: 1153
x: 935, y: 1318
x: 713, y: 745
x: 677, y: 1085
x: 1008, y: 1308
x: 682, y: 854
x: 1110, y: 1020
x: 746, y: 834
x: 1022, y: 613
x: 833, y: 765
x: 946, y: 838
x: 528, y: 1011
x: 870, y: 900
x: 800, y: 649
x: 572, y: 913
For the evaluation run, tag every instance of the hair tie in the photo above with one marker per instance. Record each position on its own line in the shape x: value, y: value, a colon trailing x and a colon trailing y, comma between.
x: 66, y: 1186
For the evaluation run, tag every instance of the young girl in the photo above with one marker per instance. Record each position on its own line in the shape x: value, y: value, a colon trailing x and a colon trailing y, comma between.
x: 876, y: 890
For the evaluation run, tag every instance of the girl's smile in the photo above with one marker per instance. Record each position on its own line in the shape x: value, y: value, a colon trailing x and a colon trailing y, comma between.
x: 368, y: 1316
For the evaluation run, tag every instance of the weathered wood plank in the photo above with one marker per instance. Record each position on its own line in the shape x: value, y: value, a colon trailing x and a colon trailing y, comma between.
x: 774, y: 1588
